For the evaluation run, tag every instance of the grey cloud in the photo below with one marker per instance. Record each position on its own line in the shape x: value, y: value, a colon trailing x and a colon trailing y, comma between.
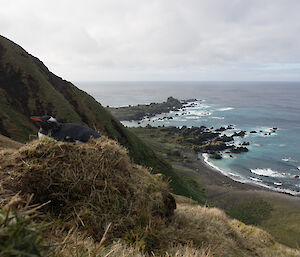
x: 154, y: 39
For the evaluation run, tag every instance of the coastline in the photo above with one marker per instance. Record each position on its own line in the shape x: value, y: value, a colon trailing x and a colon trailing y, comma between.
x: 210, y: 168
x: 213, y: 176
x: 216, y: 188
x: 233, y: 142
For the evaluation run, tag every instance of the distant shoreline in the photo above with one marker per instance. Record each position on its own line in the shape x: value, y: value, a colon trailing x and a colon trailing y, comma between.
x: 217, y: 151
x: 139, y: 112
x: 244, y: 184
x: 215, y: 176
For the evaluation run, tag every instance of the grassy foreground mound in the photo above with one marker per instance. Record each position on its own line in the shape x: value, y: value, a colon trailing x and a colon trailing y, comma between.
x: 89, y: 185
x: 90, y: 200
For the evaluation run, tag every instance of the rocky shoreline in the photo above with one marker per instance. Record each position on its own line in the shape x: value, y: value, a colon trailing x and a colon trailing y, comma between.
x: 139, y: 112
x: 214, y: 141
x: 220, y: 142
x: 207, y: 140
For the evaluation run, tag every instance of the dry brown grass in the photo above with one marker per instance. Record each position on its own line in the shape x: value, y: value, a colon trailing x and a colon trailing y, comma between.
x: 20, y: 230
x: 101, y: 204
x: 194, y: 231
x: 210, y: 229
x: 76, y: 244
x: 90, y: 185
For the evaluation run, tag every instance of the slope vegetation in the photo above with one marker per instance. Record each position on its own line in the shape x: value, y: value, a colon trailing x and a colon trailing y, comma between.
x: 28, y: 88
x: 66, y: 199
x: 7, y: 143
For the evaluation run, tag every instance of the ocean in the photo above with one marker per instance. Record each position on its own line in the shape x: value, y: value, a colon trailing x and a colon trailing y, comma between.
x: 273, y: 160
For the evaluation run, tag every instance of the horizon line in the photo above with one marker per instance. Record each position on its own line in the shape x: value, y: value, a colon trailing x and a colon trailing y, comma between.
x: 230, y: 81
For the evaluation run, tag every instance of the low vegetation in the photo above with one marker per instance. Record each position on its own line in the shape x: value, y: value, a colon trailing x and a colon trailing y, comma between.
x: 283, y: 223
x: 169, y: 147
x: 252, y: 211
x: 62, y: 199
x: 20, y: 234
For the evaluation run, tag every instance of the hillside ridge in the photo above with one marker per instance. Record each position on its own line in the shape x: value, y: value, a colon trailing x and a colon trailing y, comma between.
x: 28, y: 88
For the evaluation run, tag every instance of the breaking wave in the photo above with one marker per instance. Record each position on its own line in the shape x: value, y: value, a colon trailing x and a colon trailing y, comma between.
x: 225, y: 109
x: 268, y: 173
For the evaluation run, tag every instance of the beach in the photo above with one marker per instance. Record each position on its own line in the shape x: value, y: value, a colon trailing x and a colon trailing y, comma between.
x: 213, y: 177
x: 225, y: 192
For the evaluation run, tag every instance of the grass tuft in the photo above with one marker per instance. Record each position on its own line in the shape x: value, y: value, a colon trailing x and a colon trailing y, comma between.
x: 90, y: 185
x: 20, y: 235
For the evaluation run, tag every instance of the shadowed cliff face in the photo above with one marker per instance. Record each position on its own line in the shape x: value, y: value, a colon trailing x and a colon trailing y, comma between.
x: 19, y: 88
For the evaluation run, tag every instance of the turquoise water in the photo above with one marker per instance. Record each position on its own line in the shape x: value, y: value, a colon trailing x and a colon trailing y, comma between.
x: 273, y: 160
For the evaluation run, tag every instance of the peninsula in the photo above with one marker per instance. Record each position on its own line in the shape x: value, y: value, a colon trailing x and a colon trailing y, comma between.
x: 138, y: 112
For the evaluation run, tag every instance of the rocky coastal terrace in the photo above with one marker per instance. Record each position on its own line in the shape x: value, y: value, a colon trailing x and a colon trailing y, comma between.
x: 138, y: 112
x: 207, y: 140
x: 213, y: 141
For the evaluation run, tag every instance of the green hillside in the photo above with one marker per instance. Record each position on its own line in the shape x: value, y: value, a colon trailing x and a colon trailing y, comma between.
x: 28, y: 88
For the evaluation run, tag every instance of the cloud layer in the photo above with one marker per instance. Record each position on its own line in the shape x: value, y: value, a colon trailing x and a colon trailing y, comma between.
x: 159, y: 39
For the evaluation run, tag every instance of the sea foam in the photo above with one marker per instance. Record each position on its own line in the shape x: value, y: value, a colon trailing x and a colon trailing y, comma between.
x: 205, y: 158
x: 218, y: 118
x: 288, y: 159
x: 225, y: 109
x: 233, y: 176
x: 267, y: 173
x: 198, y: 112
x: 256, y: 179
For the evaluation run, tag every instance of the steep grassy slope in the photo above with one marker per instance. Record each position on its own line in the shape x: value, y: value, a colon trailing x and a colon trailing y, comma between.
x: 28, y: 88
x: 6, y: 142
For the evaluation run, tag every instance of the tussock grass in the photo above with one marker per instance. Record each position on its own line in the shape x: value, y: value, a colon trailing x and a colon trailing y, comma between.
x: 20, y: 235
x: 100, y: 204
x: 75, y: 244
x: 90, y: 185
x: 193, y: 231
x: 210, y: 231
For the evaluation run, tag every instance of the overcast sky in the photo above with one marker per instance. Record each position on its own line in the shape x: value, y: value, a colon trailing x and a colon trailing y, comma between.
x: 159, y: 39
